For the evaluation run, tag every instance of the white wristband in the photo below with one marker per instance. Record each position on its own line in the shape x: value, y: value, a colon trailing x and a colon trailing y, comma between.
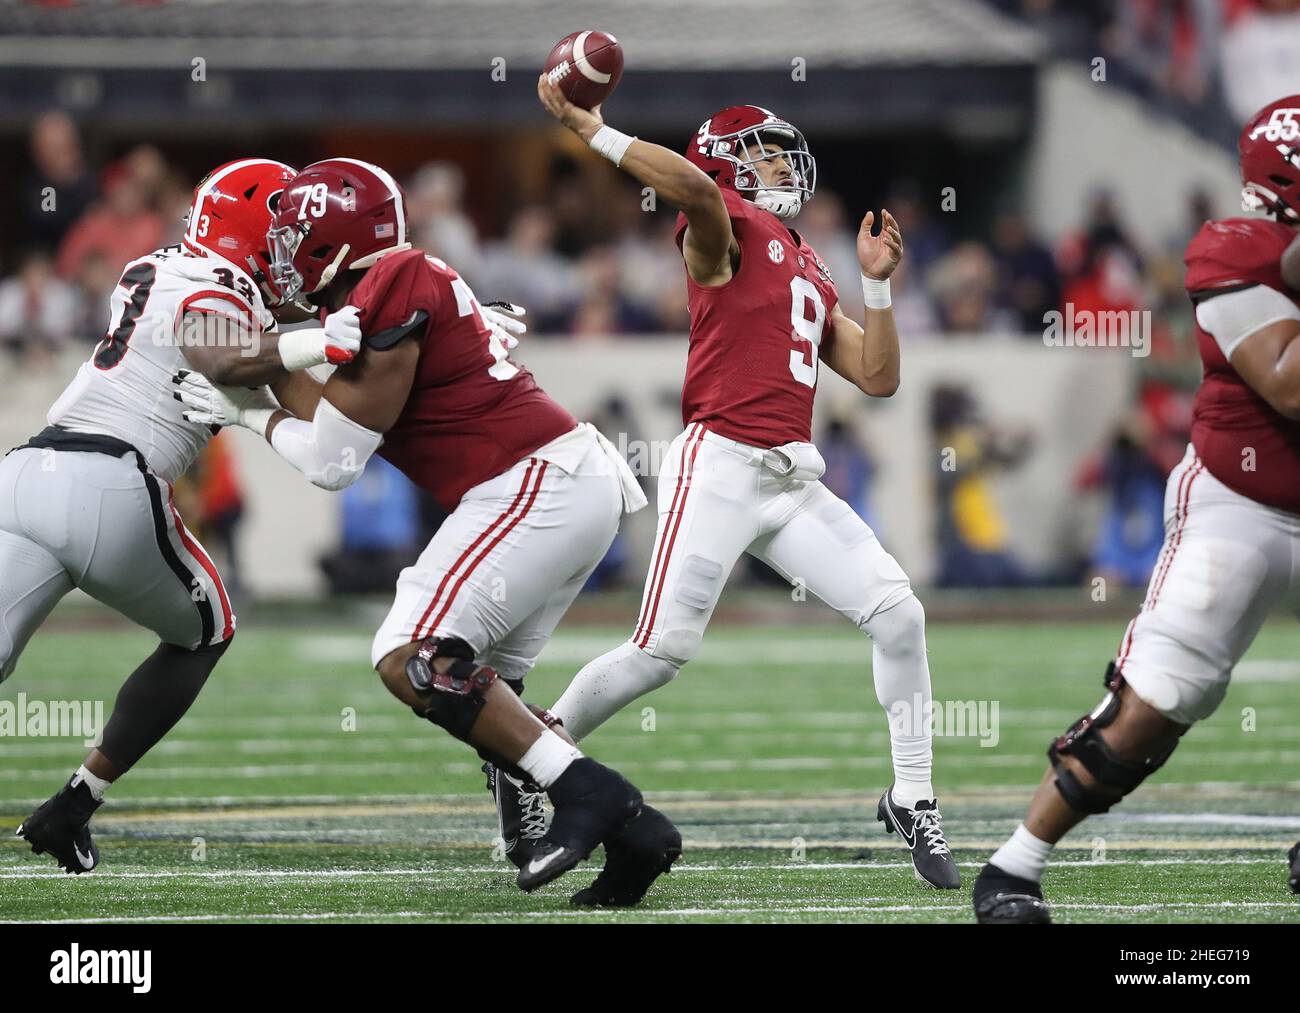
x: 611, y: 143
x: 875, y: 294
x: 257, y: 419
x: 303, y: 348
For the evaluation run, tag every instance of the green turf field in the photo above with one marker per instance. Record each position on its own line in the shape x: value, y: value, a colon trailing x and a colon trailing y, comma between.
x: 296, y: 789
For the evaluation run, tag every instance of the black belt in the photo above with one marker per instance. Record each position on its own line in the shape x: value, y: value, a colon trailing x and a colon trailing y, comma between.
x: 57, y: 438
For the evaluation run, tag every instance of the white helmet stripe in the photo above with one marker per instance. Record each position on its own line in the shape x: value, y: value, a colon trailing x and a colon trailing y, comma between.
x: 210, y: 184
x: 580, y: 61
x: 393, y: 188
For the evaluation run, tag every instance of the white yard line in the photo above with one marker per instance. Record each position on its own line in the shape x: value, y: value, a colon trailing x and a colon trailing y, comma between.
x: 652, y: 913
x: 1273, y: 758
x: 43, y: 872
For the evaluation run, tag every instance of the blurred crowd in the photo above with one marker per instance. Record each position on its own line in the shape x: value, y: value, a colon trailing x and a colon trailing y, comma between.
x: 583, y: 267
x: 589, y: 260
x: 1211, y: 63
x: 79, y: 225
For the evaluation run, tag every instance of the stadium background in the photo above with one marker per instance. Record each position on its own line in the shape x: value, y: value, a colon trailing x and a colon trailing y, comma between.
x: 1036, y: 153
x: 1021, y: 182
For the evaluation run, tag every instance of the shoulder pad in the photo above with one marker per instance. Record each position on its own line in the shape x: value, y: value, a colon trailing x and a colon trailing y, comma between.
x: 413, y: 327
x: 1236, y: 253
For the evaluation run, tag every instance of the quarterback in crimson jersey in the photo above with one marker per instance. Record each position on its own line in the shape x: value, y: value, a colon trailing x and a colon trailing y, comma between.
x: 744, y: 474
x: 534, y: 501
x: 1232, y: 524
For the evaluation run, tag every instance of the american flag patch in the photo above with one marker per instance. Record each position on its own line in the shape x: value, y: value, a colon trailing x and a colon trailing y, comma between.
x: 384, y: 231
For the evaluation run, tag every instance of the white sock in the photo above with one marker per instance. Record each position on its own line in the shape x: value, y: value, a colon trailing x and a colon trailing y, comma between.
x: 908, y: 793
x: 97, y: 785
x: 1023, y: 855
x: 607, y: 685
x: 548, y: 758
x: 901, y: 672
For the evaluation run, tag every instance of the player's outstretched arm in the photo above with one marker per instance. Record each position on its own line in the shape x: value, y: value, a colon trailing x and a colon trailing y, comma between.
x: 298, y: 393
x: 360, y: 402
x: 709, y: 243
x: 235, y: 355
x: 868, y: 356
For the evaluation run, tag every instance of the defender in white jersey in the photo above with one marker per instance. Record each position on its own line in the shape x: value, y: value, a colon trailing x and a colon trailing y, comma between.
x: 88, y: 502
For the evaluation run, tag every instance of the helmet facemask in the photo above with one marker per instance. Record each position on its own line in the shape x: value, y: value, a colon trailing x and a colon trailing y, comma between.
x: 283, y: 243
x: 750, y: 147
x: 1261, y: 199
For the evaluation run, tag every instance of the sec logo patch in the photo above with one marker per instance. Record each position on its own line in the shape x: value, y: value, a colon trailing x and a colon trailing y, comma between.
x: 776, y: 251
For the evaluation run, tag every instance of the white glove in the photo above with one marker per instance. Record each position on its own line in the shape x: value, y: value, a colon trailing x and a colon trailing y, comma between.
x: 505, y: 320
x: 337, y: 342
x: 207, y: 404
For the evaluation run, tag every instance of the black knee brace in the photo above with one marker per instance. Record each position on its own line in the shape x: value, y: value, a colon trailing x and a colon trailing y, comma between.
x: 1083, y: 741
x: 456, y: 696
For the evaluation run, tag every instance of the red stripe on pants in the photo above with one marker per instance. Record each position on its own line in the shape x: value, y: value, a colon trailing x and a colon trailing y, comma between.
x: 451, y: 572
x: 666, y: 546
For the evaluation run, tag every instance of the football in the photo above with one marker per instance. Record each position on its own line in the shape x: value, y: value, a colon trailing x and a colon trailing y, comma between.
x: 585, y: 66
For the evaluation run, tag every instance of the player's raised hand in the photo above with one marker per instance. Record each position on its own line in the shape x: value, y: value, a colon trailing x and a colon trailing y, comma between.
x: 506, y: 321
x: 583, y: 122
x: 878, y: 255
x: 342, y: 335
x: 208, y: 404
x: 337, y: 342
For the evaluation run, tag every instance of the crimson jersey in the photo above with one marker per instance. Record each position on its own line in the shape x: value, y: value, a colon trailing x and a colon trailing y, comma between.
x: 471, y: 413
x: 1229, y: 418
x: 751, y: 372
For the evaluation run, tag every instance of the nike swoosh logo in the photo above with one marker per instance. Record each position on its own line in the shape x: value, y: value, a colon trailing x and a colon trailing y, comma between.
x: 86, y: 861
x: 898, y: 825
x: 542, y: 864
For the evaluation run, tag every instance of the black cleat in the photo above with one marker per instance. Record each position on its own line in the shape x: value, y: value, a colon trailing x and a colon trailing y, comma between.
x: 922, y: 831
x: 521, y: 814
x: 1003, y: 899
x: 1294, y: 857
x: 61, y: 827
x: 592, y: 804
x: 634, y: 859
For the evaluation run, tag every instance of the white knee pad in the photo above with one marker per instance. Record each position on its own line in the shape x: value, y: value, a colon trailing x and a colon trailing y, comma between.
x: 1172, y: 676
x: 661, y: 667
x: 899, y: 631
x: 674, y: 649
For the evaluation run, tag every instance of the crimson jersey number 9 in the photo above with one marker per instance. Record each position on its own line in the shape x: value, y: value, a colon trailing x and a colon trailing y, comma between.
x: 807, y: 334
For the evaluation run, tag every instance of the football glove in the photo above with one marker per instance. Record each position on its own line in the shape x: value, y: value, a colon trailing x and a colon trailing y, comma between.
x: 505, y: 320
x: 207, y: 404
x: 337, y: 342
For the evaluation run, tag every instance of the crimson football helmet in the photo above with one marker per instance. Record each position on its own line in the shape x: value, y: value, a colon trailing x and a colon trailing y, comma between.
x: 1270, y: 160
x: 336, y: 215
x: 231, y: 212
x: 730, y: 143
